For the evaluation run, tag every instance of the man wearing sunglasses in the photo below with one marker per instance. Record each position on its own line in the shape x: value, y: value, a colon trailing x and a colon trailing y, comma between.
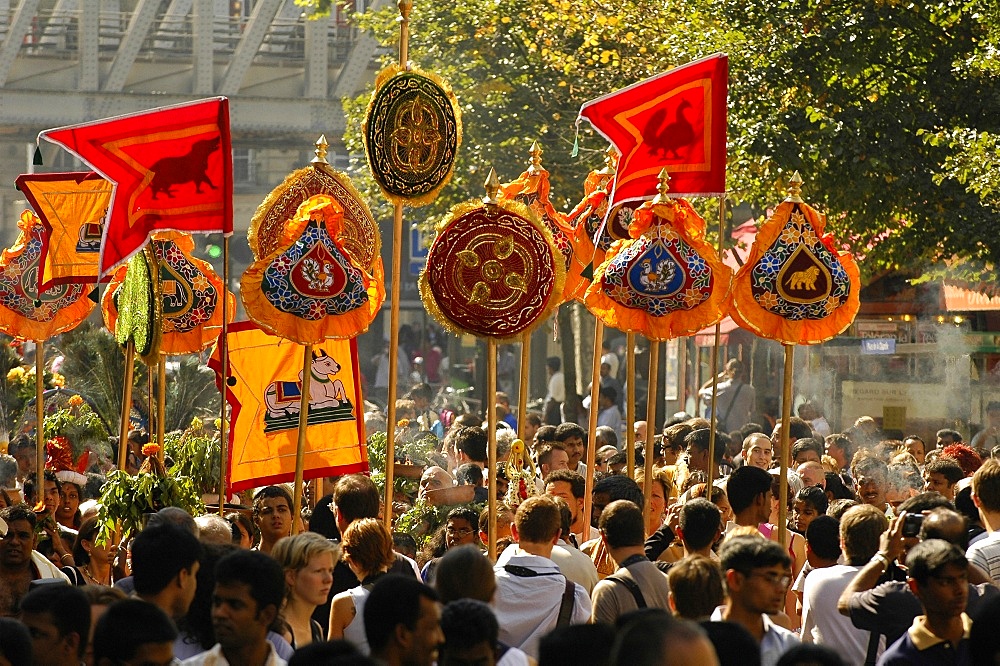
x: 757, y: 576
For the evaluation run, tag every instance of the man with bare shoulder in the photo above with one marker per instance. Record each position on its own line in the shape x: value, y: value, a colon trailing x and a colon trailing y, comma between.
x: 19, y: 564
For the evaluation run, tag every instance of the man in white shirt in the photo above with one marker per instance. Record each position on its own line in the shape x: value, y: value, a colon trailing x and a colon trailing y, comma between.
x: 249, y: 591
x: 574, y: 564
x: 556, y: 392
x: 533, y: 597
x: 860, y: 529
x: 985, y: 553
x: 736, y: 398
x: 757, y: 577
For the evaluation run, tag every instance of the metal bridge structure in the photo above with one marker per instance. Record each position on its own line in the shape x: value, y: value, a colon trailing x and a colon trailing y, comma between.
x: 70, y: 61
x: 77, y: 60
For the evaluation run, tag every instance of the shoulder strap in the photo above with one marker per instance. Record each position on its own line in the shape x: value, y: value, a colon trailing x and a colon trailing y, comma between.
x: 633, y: 587
x: 872, y: 648
x: 566, y: 607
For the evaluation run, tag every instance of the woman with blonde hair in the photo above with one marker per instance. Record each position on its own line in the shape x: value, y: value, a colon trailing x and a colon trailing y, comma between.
x: 308, y: 560
x: 367, y: 548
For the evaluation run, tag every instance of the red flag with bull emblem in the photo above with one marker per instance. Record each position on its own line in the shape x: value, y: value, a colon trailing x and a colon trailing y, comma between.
x: 171, y: 169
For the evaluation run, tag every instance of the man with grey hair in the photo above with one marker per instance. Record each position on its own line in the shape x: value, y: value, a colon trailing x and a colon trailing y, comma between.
x: 213, y: 528
x: 606, y: 436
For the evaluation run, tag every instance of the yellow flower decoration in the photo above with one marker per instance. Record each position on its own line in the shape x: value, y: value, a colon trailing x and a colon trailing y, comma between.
x: 75, y: 401
x: 150, y: 449
x: 197, y: 424
x: 15, y: 374
x: 403, y: 423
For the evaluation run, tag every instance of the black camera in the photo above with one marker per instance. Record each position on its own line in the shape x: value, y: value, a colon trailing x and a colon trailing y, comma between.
x: 912, y: 523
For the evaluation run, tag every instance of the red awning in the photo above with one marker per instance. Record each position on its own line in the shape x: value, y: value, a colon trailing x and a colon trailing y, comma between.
x: 706, y: 336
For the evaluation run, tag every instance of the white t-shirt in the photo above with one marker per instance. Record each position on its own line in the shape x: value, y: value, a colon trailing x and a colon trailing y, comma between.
x: 557, y: 387
x: 985, y: 554
x: 823, y: 624
x: 527, y: 607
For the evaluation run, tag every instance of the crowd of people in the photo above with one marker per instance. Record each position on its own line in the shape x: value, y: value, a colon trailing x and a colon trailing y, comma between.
x: 890, y: 554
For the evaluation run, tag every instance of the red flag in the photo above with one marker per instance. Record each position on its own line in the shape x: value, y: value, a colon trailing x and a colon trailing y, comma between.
x: 675, y: 120
x: 171, y: 168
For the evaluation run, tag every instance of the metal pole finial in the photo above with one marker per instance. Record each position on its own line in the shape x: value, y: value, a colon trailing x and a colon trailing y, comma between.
x: 610, y: 161
x: 535, y: 161
x: 321, y: 149
x: 795, y: 188
x: 663, y: 187
x: 492, y: 186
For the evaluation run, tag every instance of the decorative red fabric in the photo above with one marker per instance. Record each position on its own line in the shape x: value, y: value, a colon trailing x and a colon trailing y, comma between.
x: 675, y: 120
x: 172, y: 169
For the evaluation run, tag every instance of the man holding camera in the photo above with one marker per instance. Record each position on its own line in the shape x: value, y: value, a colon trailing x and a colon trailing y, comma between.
x: 938, y: 576
x: 885, y: 605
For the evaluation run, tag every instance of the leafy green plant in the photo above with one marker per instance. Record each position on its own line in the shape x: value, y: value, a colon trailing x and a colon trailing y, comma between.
x: 78, y: 423
x: 126, y: 499
x: 423, y: 519
x: 196, y: 453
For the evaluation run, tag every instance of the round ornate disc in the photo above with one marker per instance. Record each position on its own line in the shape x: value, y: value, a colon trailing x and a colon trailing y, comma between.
x: 492, y: 273
x: 412, y: 134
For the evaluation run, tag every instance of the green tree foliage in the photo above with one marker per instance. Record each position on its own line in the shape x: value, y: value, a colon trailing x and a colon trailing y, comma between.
x: 95, y: 366
x: 888, y: 108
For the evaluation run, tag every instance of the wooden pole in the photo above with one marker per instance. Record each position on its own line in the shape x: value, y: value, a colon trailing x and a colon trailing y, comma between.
x: 151, y: 404
x: 126, y: 403
x: 224, y: 358
x: 595, y: 392
x: 300, y: 450
x: 630, y: 405
x: 522, y: 393
x: 39, y: 420
x: 715, y: 403
x: 390, y: 431
x: 405, y: 6
x: 786, y: 415
x: 654, y: 371
x: 161, y: 402
x: 491, y: 454
x: 715, y: 365
x: 682, y: 345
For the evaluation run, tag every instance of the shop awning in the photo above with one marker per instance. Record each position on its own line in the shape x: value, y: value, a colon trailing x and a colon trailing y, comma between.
x: 706, y: 336
x: 960, y: 299
x: 744, y: 235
